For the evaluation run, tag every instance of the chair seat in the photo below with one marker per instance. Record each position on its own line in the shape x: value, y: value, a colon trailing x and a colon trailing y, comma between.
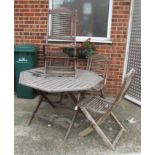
x: 95, y: 104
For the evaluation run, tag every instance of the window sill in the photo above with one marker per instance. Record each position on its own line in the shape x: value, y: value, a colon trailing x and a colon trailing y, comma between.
x: 82, y: 39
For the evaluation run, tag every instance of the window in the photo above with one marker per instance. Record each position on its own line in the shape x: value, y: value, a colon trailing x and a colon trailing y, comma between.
x: 94, y: 18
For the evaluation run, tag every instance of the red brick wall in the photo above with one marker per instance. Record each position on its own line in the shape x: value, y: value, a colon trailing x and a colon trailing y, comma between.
x: 30, y: 22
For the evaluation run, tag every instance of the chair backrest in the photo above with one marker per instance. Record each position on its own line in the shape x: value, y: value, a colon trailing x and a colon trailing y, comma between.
x: 99, y: 64
x: 62, y: 24
x: 125, y: 86
x: 57, y: 58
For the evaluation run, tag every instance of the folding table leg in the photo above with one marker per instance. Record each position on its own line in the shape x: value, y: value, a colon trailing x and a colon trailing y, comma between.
x: 75, y: 100
x: 42, y: 95
x: 46, y: 98
x: 61, y: 97
x: 71, y: 95
x: 102, y: 93
x: 38, y: 105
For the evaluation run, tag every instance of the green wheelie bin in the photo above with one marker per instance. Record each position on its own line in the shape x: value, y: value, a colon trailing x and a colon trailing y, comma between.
x: 24, y: 59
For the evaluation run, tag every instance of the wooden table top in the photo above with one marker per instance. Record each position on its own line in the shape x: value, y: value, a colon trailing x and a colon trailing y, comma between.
x: 35, y: 79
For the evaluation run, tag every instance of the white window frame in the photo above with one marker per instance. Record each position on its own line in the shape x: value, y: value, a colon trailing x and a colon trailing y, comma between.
x: 94, y: 39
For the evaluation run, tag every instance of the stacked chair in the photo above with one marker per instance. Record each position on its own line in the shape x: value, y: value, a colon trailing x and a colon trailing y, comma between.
x: 61, y: 33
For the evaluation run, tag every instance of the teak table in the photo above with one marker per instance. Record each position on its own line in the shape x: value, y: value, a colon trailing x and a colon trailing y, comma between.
x: 35, y: 78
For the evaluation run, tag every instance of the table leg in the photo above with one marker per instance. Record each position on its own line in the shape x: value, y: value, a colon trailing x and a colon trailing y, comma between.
x: 46, y: 98
x: 38, y: 105
x: 68, y: 131
x: 61, y: 97
x: 75, y: 100
x: 42, y: 96
x: 72, y: 96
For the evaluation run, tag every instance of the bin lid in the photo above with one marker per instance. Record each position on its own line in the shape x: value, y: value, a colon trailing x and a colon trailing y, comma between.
x: 25, y: 48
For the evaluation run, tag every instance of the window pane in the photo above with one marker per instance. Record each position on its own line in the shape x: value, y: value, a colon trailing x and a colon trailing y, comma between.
x: 92, y: 15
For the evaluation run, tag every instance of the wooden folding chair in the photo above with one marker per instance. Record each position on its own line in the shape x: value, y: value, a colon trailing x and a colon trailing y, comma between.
x: 99, y: 64
x: 61, y: 33
x: 103, y: 108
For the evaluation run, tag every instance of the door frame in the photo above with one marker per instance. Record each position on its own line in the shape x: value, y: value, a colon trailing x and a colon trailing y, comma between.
x: 127, y: 51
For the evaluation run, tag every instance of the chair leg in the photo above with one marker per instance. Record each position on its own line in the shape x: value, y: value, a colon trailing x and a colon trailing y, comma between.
x: 117, y: 121
x: 121, y: 130
x: 69, y: 129
x: 99, y: 122
x: 35, y: 111
x: 90, y: 129
x: 98, y: 129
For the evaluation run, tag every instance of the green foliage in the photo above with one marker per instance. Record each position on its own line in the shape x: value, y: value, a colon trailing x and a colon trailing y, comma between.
x: 88, y: 47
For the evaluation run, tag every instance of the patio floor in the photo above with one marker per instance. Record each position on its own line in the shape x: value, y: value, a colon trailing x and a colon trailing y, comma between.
x: 45, y: 135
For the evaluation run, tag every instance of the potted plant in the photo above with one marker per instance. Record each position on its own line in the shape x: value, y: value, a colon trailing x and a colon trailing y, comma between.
x: 88, y: 48
x: 85, y: 51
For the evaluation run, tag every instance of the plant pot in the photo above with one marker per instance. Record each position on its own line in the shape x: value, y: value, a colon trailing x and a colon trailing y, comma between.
x: 80, y: 52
